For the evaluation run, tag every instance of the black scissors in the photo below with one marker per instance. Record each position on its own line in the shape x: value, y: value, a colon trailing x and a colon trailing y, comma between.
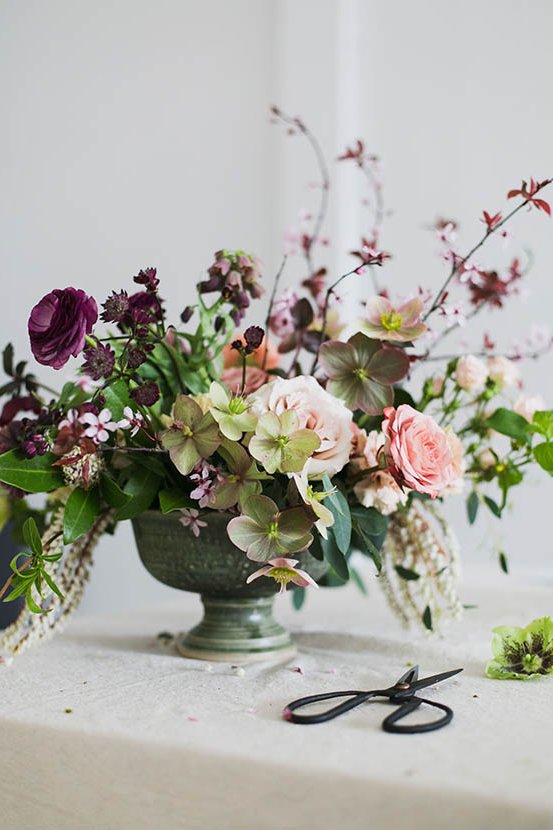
x: 402, y: 694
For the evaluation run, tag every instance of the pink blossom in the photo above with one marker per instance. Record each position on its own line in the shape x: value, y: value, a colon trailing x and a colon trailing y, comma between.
x: 99, y: 426
x: 281, y: 321
x: 454, y: 313
x: 528, y: 405
x: 419, y: 452
x: 471, y: 374
x: 283, y: 571
x: 132, y: 420
x: 189, y: 519
x: 205, y: 477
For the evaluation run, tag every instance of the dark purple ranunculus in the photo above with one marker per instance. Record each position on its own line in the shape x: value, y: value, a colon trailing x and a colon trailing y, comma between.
x: 58, y: 325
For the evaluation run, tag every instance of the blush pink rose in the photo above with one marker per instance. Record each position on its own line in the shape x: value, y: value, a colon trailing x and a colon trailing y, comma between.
x: 420, y: 453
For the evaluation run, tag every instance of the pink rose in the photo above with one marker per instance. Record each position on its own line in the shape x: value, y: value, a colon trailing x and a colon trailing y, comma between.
x: 317, y: 410
x: 420, y: 453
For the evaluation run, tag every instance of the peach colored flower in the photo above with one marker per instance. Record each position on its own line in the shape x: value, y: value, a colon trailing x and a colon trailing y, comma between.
x: 486, y: 459
x: 528, y: 405
x: 420, y: 454
x: 232, y: 378
x: 471, y: 373
x: 459, y: 464
x: 317, y: 410
x: 503, y: 371
x: 380, y: 491
x: 231, y: 357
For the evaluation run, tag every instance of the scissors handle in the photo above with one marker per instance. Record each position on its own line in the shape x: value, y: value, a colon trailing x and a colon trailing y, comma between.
x: 390, y: 723
x: 354, y: 698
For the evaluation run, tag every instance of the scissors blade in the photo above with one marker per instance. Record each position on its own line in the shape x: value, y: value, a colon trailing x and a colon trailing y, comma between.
x: 409, y: 677
x: 435, y: 678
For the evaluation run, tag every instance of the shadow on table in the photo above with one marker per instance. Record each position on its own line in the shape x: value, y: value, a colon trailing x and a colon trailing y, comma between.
x: 115, y: 642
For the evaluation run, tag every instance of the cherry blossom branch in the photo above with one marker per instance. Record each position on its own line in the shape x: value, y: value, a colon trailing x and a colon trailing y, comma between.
x: 270, y: 309
x: 297, y: 124
x: 458, y: 263
x: 328, y: 295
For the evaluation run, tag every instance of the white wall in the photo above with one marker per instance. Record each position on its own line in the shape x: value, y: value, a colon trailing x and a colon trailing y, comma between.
x: 136, y: 133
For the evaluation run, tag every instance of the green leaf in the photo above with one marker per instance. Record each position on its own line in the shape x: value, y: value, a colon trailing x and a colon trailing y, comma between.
x: 72, y: 395
x: 406, y: 573
x: 142, y: 487
x: 33, y: 475
x: 373, y: 523
x: 356, y: 577
x: 339, y: 507
x: 543, y: 454
x: 473, y: 503
x: 503, y: 563
x: 427, y: 618
x: 7, y: 360
x: 542, y: 423
x: 113, y: 495
x: 174, y: 499
x: 334, y: 556
x: 80, y: 512
x: 509, y: 423
x: 495, y: 508
x: 32, y: 536
x: 298, y: 597
x: 370, y: 549
x: 51, y: 584
x: 117, y: 398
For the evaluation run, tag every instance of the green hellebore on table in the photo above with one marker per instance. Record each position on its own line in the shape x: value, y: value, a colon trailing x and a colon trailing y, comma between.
x: 522, y: 653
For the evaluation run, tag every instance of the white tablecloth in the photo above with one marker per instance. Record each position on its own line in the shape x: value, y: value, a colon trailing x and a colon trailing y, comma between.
x: 157, y: 741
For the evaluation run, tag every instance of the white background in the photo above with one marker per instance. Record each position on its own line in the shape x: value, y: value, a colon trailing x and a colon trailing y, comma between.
x: 136, y: 133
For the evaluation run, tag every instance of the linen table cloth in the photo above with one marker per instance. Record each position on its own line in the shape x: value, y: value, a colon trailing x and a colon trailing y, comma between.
x: 101, y: 729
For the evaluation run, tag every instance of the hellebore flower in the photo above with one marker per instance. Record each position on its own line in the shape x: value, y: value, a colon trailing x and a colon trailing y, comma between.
x: 242, y: 481
x: 399, y: 325
x: 231, y: 412
x: 283, y: 571
x: 280, y: 445
x: 265, y: 533
x: 313, y: 498
x: 190, y: 436
x: 362, y: 372
x: 58, y: 325
x: 522, y: 653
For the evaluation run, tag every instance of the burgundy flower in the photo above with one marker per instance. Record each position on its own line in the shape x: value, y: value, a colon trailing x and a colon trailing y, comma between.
x: 99, y: 361
x: 16, y: 405
x: 136, y: 357
x: 254, y: 338
x: 144, y: 308
x: 58, y: 325
x: 148, y: 278
x: 115, y: 307
x: 147, y: 394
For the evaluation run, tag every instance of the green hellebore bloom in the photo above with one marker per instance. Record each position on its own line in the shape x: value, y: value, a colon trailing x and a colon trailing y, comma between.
x: 265, y: 533
x: 190, y: 436
x: 362, y: 372
x: 522, y: 653
x: 231, y: 412
x: 243, y: 479
x: 279, y: 445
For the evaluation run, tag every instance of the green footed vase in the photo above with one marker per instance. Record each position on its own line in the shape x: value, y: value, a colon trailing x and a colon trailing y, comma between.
x: 238, y: 624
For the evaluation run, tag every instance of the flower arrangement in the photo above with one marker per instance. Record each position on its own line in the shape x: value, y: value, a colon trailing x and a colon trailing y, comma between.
x: 306, y: 435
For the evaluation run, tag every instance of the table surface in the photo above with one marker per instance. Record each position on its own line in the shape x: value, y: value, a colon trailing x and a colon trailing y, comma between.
x: 154, y: 740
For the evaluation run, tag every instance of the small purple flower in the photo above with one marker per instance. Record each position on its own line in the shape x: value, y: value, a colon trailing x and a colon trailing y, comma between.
x: 115, y: 307
x: 147, y: 394
x: 34, y: 445
x: 58, y: 325
x: 144, y: 308
x: 99, y: 361
x: 135, y: 357
x: 189, y: 519
x: 187, y: 314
